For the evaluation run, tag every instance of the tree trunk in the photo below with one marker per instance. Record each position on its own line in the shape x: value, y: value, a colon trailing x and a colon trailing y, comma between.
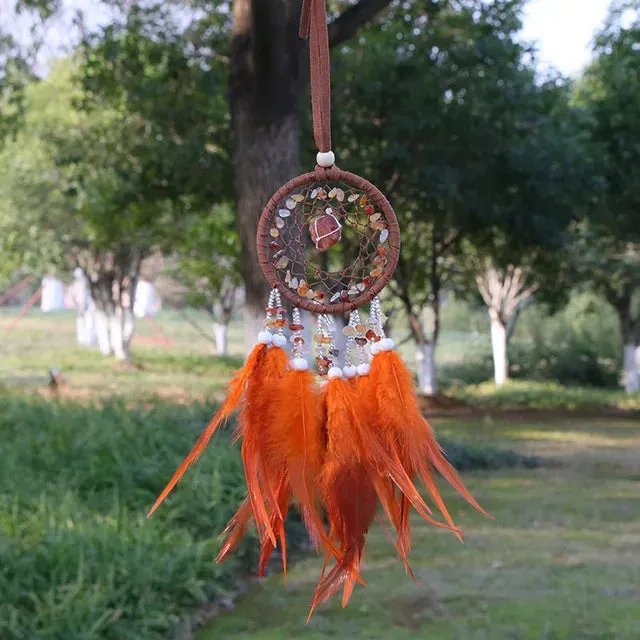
x: 631, y: 378
x: 499, y: 348
x: 115, y: 322
x: 426, y: 368
x: 264, y: 82
x: 221, y: 336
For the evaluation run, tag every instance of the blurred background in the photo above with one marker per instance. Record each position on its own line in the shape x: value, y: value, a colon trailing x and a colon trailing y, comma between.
x: 139, y: 141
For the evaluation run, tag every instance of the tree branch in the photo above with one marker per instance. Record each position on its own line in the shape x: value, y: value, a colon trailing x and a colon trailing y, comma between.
x: 347, y: 24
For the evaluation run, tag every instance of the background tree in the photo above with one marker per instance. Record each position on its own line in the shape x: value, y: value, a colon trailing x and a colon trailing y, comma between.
x: 477, y: 155
x: 92, y: 180
x: 208, y: 265
x: 610, y: 244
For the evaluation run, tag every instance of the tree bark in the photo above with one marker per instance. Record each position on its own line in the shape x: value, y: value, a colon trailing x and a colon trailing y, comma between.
x: 264, y: 82
x: 499, y: 349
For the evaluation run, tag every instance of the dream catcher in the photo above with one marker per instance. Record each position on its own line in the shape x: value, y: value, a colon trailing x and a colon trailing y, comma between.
x: 338, y: 443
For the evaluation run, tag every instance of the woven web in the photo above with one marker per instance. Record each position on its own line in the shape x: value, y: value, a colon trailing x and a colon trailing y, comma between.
x: 347, y: 269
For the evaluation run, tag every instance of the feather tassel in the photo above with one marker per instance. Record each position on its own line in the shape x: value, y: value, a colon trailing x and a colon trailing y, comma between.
x: 349, y: 494
x: 409, y: 433
x: 297, y: 443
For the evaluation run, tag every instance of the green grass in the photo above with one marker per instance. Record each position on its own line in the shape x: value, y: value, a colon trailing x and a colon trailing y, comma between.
x: 561, y: 560
x: 521, y: 394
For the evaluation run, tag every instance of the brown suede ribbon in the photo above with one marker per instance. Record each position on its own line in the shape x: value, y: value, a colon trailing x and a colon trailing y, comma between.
x: 313, y: 25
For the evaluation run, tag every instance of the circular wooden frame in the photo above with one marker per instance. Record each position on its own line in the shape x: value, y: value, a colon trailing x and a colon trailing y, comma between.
x: 332, y: 174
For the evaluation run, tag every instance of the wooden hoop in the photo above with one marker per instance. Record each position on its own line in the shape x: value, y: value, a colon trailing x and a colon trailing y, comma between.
x: 263, y: 239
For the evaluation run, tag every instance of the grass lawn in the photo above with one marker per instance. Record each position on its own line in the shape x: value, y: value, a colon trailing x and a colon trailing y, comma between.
x: 560, y: 561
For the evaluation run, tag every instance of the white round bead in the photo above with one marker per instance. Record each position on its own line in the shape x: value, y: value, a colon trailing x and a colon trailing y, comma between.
x: 265, y: 337
x: 334, y: 372
x: 375, y: 348
x: 279, y: 340
x: 326, y: 159
x: 350, y: 371
x: 299, y: 364
x: 364, y: 369
x: 386, y: 344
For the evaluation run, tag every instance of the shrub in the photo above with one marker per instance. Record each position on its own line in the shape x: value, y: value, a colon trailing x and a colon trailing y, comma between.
x: 78, y: 559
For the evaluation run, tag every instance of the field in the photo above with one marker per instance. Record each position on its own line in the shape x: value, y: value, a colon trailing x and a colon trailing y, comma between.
x: 560, y: 561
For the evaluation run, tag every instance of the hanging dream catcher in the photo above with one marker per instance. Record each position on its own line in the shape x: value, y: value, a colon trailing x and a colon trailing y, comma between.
x: 342, y: 442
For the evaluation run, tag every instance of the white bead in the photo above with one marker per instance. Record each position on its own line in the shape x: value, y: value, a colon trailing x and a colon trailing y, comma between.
x: 279, y: 340
x: 386, y: 344
x: 350, y: 371
x: 265, y: 337
x: 364, y: 369
x: 334, y: 372
x: 326, y: 159
x: 299, y: 364
x: 375, y: 348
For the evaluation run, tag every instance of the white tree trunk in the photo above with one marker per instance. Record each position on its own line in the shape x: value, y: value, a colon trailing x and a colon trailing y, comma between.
x: 426, y: 368
x: 221, y: 336
x: 102, y: 332
x: 631, y: 378
x: 499, y: 350
x: 115, y: 331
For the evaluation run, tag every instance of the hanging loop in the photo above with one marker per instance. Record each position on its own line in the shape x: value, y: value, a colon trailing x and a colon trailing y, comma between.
x: 313, y: 25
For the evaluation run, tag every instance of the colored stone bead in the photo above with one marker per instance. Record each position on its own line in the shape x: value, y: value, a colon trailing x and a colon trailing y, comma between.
x: 334, y: 352
x: 369, y: 209
x: 349, y: 331
x: 296, y: 327
x: 366, y: 281
x: 344, y: 296
x: 376, y: 273
x: 361, y: 328
x: 273, y: 232
x: 353, y: 197
x: 371, y: 335
x: 298, y: 197
x: 282, y: 262
x: 280, y: 323
x: 281, y: 311
x: 384, y: 234
x: 274, y: 246
x: 381, y: 251
x: 280, y: 223
x: 363, y: 201
x: 317, y: 337
x: 375, y: 216
x: 271, y: 310
x: 361, y: 342
x: 320, y: 296
x: 298, y: 340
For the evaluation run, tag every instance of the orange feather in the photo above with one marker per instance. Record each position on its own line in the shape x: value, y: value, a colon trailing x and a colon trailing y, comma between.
x: 406, y: 429
x: 297, y: 446
x: 255, y: 424
x: 349, y: 494
x: 236, y: 530
x: 236, y: 389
